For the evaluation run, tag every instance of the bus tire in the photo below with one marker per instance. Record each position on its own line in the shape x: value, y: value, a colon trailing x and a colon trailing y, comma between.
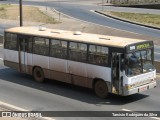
x: 38, y: 74
x: 101, y: 89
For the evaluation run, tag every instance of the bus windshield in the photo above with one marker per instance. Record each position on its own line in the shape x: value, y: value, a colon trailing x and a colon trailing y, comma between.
x: 139, y: 62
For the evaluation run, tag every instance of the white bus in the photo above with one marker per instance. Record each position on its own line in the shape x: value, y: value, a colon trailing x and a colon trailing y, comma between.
x: 106, y: 64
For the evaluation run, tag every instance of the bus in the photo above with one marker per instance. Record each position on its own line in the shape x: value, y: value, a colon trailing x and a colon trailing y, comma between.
x: 106, y: 64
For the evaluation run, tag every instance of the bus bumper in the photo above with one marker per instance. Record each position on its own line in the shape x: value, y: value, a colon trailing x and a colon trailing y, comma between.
x: 139, y: 89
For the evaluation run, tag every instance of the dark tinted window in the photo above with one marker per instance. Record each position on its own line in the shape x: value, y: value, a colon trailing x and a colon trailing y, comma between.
x: 41, y: 46
x: 98, y: 55
x: 10, y: 41
x: 78, y: 52
x: 58, y: 49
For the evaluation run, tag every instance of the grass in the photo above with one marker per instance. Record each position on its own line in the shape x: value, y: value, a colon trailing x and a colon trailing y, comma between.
x: 31, y: 14
x: 3, y: 10
x: 134, y: 2
x: 148, y: 19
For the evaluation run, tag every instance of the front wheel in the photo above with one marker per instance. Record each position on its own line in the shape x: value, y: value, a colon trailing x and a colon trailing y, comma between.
x: 101, y: 89
x: 38, y: 74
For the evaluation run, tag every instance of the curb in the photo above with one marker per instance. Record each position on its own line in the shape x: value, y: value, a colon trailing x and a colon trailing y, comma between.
x: 157, y: 28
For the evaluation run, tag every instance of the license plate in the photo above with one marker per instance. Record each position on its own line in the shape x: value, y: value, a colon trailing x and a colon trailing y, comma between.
x: 142, y: 89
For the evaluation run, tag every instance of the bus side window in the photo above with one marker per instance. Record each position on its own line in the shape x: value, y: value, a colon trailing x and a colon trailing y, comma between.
x: 98, y: 55
x: 41, y: 46
x: 10, y: 41
x: 30, y: 48
x: 58, y: 49
x: 78, y: 52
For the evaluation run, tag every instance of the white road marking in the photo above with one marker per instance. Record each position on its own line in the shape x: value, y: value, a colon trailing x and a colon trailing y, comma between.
x: 21, y: 109
x: 156, y: 118
x: 1, y: 58
x: 12, y: 106
x: 126, y: 110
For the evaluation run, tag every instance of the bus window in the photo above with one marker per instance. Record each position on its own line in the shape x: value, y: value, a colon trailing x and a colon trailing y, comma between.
x: 58, y: 49
x: 78, y: 52
x: 139, y: 62
x: 41, y: 46
x: 30, y: 44
x: 10, y: 41
x: 98, y: 55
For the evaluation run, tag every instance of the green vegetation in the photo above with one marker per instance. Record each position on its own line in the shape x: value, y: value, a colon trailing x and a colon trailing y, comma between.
x: 3, y: 10
x: 148, y: 19
x: 32, y: 14
x: 133, y: 2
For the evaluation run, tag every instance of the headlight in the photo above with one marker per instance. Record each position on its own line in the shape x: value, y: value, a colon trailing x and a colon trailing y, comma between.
x: 129, y: 86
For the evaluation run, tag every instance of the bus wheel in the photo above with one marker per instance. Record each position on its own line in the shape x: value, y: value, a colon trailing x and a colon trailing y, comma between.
x: 101, y: 89
x: 38, y: 74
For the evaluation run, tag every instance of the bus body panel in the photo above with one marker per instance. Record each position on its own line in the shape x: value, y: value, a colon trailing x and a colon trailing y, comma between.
x: 42, y: 61
x: 58, y: 69
x: 11, y: 58
x: 139, y: 79
x: 139, y: 83
x: 58, y: 65
x: 11, y: 55
x: 29, y: 59
x: 139, y: 89
x: 95, y: 71
x: 24, y: 61
x: 77, y: 68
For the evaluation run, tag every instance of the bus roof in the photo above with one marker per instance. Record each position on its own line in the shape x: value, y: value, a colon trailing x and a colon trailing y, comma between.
x: 76, y: 36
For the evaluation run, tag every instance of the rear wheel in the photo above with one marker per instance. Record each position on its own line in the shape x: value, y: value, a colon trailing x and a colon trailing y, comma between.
x: 101, y: 89
x: 38, y: 74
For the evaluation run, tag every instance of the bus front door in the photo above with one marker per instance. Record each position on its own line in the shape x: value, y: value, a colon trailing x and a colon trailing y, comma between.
x: 117, y: 81
x: 22, y: 53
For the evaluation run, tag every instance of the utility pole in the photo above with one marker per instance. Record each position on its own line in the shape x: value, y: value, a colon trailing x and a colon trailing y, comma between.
x: 20, y: 12
x: 102, y: 5
x: 59, y: 10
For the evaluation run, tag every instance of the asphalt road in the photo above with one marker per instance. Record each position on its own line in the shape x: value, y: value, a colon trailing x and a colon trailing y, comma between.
x: 21, y: 90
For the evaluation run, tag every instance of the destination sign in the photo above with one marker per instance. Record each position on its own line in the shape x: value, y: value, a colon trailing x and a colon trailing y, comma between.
x: 140, y: 46
x: 143, y: 46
